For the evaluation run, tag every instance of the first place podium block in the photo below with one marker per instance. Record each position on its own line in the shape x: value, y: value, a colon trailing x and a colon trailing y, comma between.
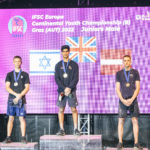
x: 19, y: 146
x: 71, y: 142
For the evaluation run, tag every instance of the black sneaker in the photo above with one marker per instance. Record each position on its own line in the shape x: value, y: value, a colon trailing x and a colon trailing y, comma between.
x: 137, y: 146
x: 23, y: 140
x: 77, y: 132
x: 61, y: 132
x: 7, y: 140
x: 119, y: 146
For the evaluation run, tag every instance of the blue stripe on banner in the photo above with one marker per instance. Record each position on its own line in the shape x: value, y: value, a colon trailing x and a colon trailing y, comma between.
x: 42, y: 72
x: 44, y: 52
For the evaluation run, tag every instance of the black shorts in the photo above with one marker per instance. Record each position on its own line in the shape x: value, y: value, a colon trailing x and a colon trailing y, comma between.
x: 72, y: 101
x: 133, y: 109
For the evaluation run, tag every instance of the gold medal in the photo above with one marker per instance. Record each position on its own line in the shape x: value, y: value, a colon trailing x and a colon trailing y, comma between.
x: 127, y: 84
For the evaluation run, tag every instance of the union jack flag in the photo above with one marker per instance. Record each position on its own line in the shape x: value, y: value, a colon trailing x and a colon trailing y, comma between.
x: 82, y: 49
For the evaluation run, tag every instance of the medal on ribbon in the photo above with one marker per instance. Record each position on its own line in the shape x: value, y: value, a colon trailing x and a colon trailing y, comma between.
x: 127, y: 77
x: 65, y: 75
x: 16, y: 78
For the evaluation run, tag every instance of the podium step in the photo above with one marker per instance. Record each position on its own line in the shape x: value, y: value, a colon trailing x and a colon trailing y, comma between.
x: 70, y: 142
x: 19, y: 146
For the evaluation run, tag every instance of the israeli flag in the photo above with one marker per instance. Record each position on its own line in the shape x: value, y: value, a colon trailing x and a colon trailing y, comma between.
x: 42, y: 62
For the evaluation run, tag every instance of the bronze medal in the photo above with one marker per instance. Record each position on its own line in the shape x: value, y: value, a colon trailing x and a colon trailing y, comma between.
x: 127, y: 84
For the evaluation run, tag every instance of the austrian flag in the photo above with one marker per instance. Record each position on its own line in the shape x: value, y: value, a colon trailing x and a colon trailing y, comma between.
x: 111, y: 60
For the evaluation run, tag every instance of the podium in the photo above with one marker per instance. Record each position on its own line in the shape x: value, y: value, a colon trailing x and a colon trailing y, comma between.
x: 19, y: 146
x: 70, y: 142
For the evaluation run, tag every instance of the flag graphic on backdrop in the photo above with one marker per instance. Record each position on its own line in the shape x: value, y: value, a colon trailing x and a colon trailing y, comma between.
x: 82, y: 49
x: 42, y: 62
x: 111, y: 60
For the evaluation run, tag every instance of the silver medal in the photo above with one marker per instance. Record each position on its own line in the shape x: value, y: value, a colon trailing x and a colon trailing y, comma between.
x: 65, y: 75
x: 16, y: 84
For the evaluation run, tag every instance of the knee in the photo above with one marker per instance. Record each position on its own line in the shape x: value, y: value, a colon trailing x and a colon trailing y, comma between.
x: 21, y: 119
x: 135, y: 120
x: 61, y: 110
x: 74, y: 110
x: 11, y: 119
x: 121, y: 121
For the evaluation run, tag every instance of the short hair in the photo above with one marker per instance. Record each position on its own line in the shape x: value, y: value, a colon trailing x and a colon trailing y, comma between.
x: 127, y: 56
x: 17, y: 57
x: 65, y: 47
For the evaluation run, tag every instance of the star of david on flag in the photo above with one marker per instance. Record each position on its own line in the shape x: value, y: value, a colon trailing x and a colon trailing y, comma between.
x: 42, y: 62
x: 82, y: 49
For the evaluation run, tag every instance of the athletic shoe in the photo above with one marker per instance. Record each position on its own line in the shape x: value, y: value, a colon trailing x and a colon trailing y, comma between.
x: 119, y: 146
x: 23, y: 140
x: 61, y: 132
x: 137, y: 146
x: 7, y: 140
x: 77, y: 132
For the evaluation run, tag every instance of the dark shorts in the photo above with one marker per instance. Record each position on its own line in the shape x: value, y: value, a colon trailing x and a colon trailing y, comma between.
x: 71, y: 101
x: 133, y: 109
x: 16, y: 111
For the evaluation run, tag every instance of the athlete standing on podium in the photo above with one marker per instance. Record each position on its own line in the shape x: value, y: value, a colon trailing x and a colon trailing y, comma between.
x: 17, y: 85
x: 128, y: 87
x: 66, y: 77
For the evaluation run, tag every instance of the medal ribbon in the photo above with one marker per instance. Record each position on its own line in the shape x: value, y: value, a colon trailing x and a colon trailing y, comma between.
x: 127, y: 76
x: 17, y: 78
x: 63, y: 64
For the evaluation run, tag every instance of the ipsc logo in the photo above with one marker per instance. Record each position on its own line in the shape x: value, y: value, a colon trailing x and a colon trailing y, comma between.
x: 17, y: 26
